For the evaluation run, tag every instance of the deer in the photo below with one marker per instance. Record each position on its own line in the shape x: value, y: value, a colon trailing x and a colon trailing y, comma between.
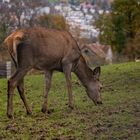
x: 48, y: 50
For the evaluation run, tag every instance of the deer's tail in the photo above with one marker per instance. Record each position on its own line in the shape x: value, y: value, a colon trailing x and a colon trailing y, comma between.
x: 12, y: 42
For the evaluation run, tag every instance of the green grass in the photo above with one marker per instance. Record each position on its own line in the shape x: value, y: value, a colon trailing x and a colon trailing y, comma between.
x: 118, y: 117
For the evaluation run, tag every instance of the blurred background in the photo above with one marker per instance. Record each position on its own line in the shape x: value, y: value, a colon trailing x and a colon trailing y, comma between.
x: 114, y: 25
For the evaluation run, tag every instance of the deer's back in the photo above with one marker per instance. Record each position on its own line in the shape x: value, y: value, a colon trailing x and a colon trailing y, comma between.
x: 43, y: 48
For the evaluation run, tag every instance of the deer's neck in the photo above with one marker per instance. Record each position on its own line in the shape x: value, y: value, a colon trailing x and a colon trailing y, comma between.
x: 83, y: 72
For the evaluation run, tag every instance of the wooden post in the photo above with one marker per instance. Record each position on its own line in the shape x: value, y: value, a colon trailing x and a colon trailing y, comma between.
x: 8, y: 69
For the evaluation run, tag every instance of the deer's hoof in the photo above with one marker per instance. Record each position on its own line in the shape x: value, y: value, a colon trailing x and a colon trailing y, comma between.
x: 71, y: 106
x: 10, y: 116
x: 43, y: 110
x: 29, y: 113
x: 50, y: 111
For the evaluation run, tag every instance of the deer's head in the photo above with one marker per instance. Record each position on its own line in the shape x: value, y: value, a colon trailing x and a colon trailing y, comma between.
x: 94, y: 87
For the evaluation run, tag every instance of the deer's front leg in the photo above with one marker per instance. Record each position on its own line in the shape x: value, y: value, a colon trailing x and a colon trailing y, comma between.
x: 48, y: 77
x: 67, y: 72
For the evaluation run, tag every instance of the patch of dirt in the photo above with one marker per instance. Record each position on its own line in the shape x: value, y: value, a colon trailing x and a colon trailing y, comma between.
x: 12, y: 127
x: 65, y: 138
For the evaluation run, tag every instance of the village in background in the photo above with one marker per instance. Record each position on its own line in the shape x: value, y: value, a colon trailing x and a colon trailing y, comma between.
x: 85, y: 19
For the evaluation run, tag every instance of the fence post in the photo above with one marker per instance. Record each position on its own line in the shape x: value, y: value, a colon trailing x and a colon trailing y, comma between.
x: 8, y: 69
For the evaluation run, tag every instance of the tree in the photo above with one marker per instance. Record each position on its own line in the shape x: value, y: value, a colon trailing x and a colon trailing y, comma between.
x: 105, y: 25
x: 2, y: 32
x: 18, y: 14
x: 121, y: 25
x: 26, y: 12
x: 133, y: 47
x: 53, y: 21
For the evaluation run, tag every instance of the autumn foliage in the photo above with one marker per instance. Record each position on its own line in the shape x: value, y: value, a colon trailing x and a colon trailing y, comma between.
x: 120, y: 28
x: 53, y: 21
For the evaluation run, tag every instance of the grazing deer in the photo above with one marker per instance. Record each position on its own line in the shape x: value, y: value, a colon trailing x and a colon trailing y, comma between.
x: 48, y: 50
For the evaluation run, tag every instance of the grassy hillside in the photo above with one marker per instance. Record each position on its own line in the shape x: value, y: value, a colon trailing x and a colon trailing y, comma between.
x: 118, y: 117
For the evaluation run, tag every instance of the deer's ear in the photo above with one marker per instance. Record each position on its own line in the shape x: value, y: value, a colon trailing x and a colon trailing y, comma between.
x: 97, y: 72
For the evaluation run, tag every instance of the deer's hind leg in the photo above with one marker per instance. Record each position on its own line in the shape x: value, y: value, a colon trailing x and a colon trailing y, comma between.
x: 20, y: 87
x: 12, y: 84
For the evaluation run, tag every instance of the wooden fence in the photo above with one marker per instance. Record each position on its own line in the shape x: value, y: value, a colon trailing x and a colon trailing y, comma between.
x: 5, y: 69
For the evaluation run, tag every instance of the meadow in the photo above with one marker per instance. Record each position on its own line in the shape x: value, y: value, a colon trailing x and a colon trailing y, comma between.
x: 117, y: 119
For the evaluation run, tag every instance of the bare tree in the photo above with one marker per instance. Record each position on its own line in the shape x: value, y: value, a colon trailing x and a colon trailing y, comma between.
x: 17, y: 14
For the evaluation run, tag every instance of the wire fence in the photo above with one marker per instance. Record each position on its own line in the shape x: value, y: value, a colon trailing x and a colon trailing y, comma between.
x: 5, y: 69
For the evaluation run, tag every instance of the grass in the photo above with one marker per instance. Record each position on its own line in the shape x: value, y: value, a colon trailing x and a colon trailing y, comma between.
x: 117, y: 119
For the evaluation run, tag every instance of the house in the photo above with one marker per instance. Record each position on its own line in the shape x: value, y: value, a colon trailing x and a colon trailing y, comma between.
x: 97, y: 54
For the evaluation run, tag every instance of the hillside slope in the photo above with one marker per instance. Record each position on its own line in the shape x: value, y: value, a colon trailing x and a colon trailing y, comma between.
x: 118, y: 117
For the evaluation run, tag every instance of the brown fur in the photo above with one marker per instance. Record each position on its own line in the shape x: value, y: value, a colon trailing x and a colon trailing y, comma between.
x: 48, y: 50
x: 13, y: 40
